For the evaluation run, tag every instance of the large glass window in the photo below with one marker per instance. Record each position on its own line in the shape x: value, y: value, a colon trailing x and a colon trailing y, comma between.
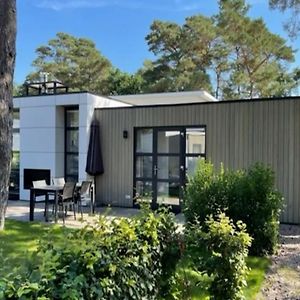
x: 194, y: 148
x: 144, y: 164
x: 14, y: 183
x: 71, y: 143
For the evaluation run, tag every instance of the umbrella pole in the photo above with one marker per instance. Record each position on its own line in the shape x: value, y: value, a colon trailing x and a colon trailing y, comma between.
x: 93, y: 197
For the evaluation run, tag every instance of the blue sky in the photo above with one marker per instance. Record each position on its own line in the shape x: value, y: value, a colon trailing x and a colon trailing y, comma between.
x: 118, y: 27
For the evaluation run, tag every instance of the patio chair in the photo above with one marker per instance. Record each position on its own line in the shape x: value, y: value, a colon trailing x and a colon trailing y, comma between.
x: 41, y: 196
x: 60, y: 181
x: 84, y: 193
x: 66, y: 199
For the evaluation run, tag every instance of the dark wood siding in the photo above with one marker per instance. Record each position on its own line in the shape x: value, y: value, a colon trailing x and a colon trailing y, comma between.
x: 238, y: 134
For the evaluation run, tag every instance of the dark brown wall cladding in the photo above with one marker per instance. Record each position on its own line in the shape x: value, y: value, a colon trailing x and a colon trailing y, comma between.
x: 238, y: 133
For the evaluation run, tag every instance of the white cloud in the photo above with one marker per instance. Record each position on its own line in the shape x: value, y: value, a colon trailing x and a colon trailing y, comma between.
x: 165, y: 5
x: 66, y: 4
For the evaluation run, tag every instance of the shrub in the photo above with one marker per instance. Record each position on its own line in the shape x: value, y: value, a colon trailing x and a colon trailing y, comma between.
x: 219, y: 249
x: 247, y: 195
x: 118, y: 259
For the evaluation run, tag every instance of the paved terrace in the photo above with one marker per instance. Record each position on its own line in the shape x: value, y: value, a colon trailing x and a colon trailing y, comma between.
x: 19, y: 210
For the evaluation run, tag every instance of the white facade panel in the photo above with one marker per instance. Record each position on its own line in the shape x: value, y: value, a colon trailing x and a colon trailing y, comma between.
x: 59, y: 165
x: 68, y: 99
x: 59, y: 140
x: 81, y: 167
x: 41, y: 116
x: 41, y: 140
x: 37, y: 160
x: 37, y: 101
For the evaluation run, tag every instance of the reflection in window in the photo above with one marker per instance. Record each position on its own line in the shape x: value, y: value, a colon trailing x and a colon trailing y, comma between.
x: 195, y: 140
x: 144, y: 191
x: 16, y: 130
x: 168, y: 193
x: 72, y: 137
x: 14, y: 182
x: 144, y: 141
x: 71, y: 143
x: 168, y: 167
x: 144, y: 166
x: 72, y: 118
x: 195, y: 149
x: 191, y: 163
x: 168, y: 142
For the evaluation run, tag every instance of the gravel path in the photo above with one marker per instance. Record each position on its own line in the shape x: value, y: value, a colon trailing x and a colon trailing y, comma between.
x: 283, y: 278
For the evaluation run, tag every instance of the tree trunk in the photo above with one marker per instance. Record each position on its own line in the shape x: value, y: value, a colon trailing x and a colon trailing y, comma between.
x: 7, y: 64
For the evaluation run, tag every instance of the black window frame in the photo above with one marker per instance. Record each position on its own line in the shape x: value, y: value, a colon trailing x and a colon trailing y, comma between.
x: 155, y: 154
x: 71, y: 153
x: 14, y: 180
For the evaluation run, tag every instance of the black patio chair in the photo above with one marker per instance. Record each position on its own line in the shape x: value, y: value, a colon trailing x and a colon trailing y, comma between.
x: 83, y: 193
x: 67, y: 199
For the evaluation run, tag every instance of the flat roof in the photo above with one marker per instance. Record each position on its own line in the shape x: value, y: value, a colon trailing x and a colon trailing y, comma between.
x: 208, y: 103
x: 166, y: 98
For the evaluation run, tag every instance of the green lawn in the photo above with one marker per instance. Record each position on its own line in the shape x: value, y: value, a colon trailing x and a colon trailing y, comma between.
x: 20, y: 239
x: 195, y: 283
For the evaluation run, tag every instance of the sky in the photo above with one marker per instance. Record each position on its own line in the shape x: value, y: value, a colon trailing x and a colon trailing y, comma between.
x: 118, y: 27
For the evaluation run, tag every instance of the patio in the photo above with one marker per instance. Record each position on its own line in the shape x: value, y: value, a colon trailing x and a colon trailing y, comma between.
x: 19, y: 210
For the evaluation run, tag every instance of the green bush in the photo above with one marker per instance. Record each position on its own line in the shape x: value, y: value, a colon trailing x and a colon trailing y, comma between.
x: 219, y: 249
x: 246, y: 195
x: 118, y: 259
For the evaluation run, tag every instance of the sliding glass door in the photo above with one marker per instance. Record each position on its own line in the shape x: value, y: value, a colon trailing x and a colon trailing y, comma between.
x: 163, y: 158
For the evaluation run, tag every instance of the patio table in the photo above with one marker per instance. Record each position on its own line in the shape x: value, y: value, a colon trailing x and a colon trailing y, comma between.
x: 47, y: 189
x: 53, y: 190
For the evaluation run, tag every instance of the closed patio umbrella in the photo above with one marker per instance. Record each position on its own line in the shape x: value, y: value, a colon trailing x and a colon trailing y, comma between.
x: 94, y: 163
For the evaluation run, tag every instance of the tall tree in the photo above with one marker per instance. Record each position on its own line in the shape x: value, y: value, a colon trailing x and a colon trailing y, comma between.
x: 7, y: 64
x: 230, y: 54
x: 175, y: 68
x: 293, y: 24
x: 257, y: 55
x: 18, y: 90
x: 74, y: 61
x: 122, y: 83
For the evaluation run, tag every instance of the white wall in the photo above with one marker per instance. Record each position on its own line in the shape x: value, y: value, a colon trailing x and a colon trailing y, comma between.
x: 42, y: 131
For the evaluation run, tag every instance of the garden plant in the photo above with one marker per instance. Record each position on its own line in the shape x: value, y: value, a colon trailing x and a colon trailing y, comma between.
x: 246, y: 195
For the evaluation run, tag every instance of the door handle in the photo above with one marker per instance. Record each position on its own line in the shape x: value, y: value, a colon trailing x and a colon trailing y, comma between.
x: 182, y: 168
x: 155, y: 169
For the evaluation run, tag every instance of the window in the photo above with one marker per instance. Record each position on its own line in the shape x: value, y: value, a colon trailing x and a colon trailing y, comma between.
x: 194, y: 148
x: 164, y: 157
x: 71, y: 143
x: 14, y: 182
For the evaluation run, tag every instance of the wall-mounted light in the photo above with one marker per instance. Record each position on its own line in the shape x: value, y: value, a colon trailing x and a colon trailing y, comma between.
x: 125, y: 134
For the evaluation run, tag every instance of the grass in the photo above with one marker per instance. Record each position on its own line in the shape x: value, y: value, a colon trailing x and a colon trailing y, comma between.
x: 258, y: 266
x: 20, y: 239
x: 194, y: 283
